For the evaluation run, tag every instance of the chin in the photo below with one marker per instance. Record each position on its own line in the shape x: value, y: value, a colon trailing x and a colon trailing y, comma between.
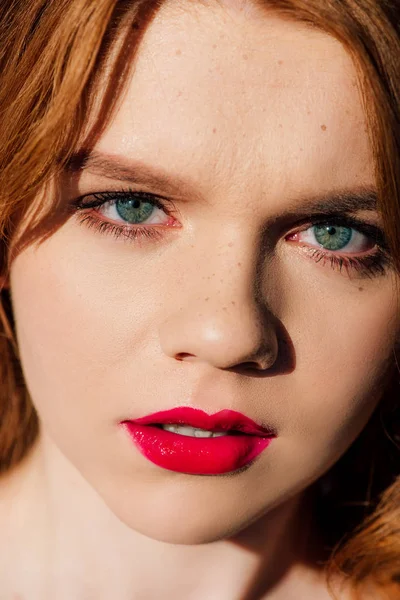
x: 174, y: 525
x: 183, y: 531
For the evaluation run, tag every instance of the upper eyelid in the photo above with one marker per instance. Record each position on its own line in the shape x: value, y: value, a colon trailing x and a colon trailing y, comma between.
x: 341, y: 220
x: 362, y: 226
x: 161, y: 202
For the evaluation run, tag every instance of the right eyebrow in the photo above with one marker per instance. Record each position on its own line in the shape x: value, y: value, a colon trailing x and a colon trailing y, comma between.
x: 130, y: 171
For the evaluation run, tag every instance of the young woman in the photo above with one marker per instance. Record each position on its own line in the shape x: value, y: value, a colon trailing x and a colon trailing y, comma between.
x: 199, y: 205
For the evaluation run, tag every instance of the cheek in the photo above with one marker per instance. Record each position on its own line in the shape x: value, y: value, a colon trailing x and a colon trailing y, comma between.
x: 343, y: 339
x: 82, y: 327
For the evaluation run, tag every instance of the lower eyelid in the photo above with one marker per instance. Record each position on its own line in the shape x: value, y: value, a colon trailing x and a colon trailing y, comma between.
x: 366, y: 264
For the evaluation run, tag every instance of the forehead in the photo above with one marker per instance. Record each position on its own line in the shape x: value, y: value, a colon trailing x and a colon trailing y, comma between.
x: 218, y: 84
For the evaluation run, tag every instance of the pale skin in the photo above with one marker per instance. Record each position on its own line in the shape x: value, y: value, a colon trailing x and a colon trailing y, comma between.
x: 250, y: 117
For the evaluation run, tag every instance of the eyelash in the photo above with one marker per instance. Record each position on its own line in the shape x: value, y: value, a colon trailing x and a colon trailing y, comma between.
x: 370, y: 265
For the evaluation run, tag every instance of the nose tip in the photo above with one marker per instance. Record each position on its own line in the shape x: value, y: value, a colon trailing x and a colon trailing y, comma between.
x: 244, y: 338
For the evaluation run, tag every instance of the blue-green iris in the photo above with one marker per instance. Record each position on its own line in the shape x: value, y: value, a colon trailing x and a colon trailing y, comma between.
x: 134, y: 210
x: 333, y: 237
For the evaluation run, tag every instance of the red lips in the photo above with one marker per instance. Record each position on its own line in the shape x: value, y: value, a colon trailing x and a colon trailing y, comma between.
x: 244, y: 441
x: 224, y: 420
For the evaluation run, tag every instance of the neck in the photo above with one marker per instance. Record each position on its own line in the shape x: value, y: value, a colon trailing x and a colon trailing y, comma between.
x: 60, y: 528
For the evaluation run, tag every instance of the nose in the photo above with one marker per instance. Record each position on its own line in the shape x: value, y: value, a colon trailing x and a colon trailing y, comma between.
x: 220, y: 318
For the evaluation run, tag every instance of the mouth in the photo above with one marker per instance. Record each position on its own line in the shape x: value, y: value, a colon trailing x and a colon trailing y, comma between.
x: 188, y: 440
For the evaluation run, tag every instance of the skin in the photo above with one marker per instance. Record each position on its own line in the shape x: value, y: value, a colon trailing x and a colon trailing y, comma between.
x: 255, y: 115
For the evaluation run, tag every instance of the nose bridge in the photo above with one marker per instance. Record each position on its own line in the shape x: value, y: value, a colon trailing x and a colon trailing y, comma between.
x: 228, y: 274
x: 219, y: 315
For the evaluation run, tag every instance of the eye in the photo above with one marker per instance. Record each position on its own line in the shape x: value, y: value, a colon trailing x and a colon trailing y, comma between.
x: 347, y: 244
x: 129, y: 215
x: 134, y: 211
x: 335, y: 238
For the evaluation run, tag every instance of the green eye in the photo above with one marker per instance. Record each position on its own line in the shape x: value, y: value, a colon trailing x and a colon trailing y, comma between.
x: 333, y: 237
x: 134, y: 210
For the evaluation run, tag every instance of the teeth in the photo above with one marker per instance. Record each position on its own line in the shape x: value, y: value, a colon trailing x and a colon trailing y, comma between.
x: 192, y: 431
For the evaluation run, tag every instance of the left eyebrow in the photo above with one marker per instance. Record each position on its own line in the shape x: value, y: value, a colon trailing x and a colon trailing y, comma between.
x: 341, y: 201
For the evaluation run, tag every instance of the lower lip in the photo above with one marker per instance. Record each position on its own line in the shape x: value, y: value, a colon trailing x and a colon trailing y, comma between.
x: 196, y: 456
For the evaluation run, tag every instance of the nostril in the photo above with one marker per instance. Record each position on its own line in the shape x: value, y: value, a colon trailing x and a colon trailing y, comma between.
x: 252, y: 366
x: 182, y: 355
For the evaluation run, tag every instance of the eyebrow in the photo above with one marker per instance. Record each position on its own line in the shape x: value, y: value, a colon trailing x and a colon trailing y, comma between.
x: 340, y: 201
x: 362, y: 198
x: 133, y: 172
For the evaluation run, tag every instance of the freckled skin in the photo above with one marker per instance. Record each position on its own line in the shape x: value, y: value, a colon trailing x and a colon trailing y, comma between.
x: 116, y: 330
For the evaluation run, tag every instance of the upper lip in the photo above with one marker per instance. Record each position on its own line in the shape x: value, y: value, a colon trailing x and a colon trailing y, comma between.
x: 224, y: 420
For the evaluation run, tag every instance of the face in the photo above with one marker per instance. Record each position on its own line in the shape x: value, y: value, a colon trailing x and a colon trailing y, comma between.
x: 227, y: 260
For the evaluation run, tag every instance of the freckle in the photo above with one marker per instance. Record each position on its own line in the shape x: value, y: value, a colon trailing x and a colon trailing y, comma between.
x: 239, y: 264
x: 323, y: 127
x: 280, y: 62
x: 301, y: 149
x: 233, y: 303
x: 309, y: 112
x: 280, y: 125
x: 178, y: 52
x: 360, y: 289
x: 225, y: 308
x: 207, y: 299
x: 215, y: 130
